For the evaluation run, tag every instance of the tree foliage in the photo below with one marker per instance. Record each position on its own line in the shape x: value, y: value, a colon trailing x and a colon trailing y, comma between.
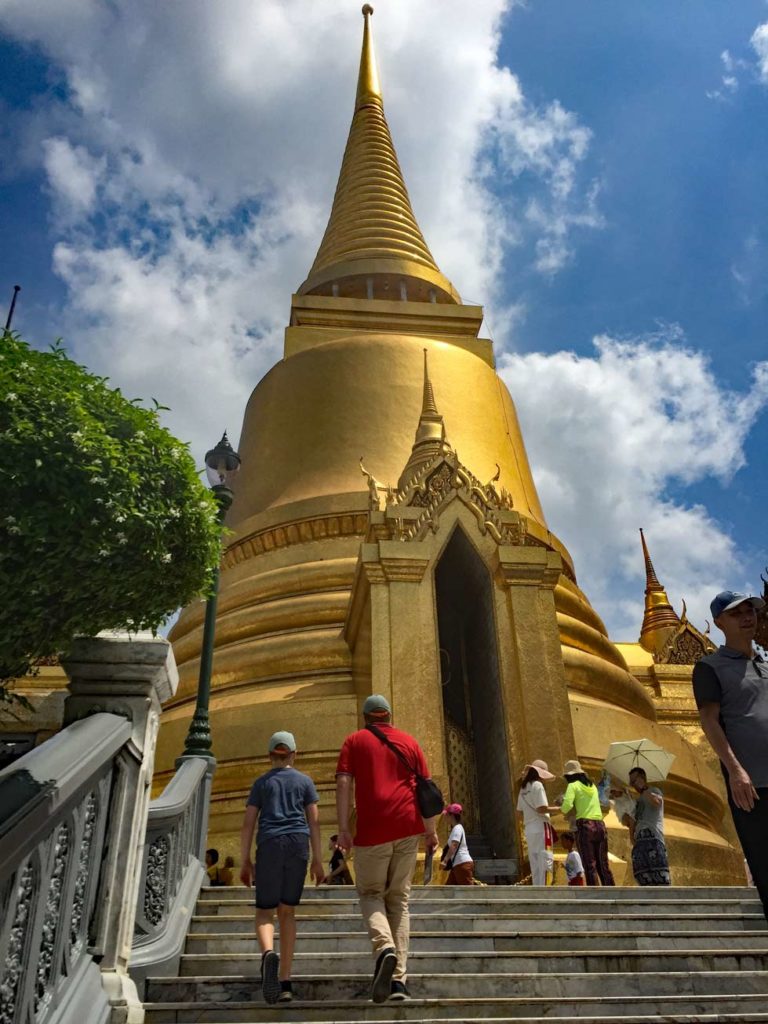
x: 104, y: 522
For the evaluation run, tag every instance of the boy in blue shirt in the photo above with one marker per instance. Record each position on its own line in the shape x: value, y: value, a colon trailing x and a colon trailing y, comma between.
x: 284, y: 802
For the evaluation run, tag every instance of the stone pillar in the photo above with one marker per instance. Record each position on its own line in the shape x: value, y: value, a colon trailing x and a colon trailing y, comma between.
x: 130, y: 676
x: 534, y: 677
x: 405, y: 667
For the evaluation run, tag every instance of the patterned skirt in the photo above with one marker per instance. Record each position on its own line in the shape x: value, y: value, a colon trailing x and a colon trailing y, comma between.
x: 650, y: 864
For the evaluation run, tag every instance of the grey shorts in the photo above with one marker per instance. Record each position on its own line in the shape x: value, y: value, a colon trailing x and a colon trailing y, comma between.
x: 281, y: 868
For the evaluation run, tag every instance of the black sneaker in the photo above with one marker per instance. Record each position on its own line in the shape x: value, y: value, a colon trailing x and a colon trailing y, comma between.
x: 382, y: 976
x: 270, y: 984
x: 286, y: 992
x: 398, y: 992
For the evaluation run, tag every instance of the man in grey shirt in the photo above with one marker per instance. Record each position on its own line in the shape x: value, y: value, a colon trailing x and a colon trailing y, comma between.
x: 731, y: 691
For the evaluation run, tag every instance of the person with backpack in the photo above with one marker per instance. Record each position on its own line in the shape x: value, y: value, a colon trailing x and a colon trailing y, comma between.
x: 456, y: 859
x: 384, y: 766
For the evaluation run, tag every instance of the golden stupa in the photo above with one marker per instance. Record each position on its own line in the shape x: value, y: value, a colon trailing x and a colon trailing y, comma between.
x: 440, y: 586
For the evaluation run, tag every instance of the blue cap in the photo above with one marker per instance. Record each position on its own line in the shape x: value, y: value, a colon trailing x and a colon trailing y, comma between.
x: 376, y: 704
x: 284, y: 740
x: 728, y: 599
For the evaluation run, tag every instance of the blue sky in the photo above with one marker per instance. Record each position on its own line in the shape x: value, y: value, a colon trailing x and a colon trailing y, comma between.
x: 585, y: 169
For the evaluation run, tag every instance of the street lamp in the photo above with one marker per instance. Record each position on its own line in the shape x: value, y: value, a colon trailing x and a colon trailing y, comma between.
x: 221, y: 464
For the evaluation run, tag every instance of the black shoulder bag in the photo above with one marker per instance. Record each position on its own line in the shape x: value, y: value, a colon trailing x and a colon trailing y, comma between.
x: 428, y: 795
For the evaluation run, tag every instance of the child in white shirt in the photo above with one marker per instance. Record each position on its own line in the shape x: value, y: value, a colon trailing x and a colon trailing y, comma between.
x: 574, y: 869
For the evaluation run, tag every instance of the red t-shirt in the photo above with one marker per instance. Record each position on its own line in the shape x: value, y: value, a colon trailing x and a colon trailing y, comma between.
x: 385, y: 791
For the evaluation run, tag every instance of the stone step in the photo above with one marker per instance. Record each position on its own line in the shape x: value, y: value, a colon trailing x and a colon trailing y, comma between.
x: 687, y: 1005
x: 477, y: 907
x: 230, y: 955
x: 588, y: 974
x: 511, y: 892
x: 510, y: 925
x: 500, y: 923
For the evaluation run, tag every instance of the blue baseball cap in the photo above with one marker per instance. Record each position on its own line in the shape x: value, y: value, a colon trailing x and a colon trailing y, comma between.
x: 282, y: 742
x: 376, y: 704
x: 728, y: 599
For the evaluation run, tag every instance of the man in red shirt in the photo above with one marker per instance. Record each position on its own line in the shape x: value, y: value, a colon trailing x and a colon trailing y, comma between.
x: 389, y: 826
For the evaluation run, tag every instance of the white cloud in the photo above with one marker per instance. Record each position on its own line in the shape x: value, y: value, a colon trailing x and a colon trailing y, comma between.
x: 759, y: 43
x: 74, y: 175
x: 734, y: 67
x: 749, y: 268
x: 611, y: 437
x: 729, y: 80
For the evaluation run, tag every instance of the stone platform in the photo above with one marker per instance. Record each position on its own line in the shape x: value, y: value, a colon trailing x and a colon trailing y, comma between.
x: 495, y: 954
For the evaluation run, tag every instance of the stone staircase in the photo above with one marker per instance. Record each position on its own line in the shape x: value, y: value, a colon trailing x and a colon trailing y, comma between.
x: 489, y: 954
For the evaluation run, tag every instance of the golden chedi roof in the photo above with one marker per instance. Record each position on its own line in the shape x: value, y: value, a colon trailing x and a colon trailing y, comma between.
x: 660, y: 620
x: 373, y: 246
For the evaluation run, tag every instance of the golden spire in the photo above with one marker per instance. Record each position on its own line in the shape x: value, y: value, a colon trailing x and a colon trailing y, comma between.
x: 372, y: 246
x: 428, y: 407
x: 660, y: 619
x: 368, y: 85
x: 430, y: 433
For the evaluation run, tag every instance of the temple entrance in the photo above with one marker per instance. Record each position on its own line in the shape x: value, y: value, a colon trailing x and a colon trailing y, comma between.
x: 476, y: 741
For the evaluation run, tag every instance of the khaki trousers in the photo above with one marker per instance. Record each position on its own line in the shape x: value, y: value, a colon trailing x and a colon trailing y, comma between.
x: 383, y: 876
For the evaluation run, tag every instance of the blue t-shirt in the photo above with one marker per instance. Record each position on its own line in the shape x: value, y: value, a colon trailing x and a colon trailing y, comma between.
x: 281, y: 796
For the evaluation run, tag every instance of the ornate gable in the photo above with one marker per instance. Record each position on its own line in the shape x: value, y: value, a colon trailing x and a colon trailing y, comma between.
x: 685, y: 646
x: 412, y: 511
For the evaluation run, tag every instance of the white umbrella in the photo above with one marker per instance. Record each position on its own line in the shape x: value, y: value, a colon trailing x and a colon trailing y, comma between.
x: 625, y: 755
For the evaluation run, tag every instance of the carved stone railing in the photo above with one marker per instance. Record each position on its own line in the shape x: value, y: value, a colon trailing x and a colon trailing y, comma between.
x: 73, y: 819
x: 55, y: 840
x: 172, y: 869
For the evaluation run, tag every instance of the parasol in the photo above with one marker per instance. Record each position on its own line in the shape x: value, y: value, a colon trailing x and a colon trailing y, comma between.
x: 625, y: 755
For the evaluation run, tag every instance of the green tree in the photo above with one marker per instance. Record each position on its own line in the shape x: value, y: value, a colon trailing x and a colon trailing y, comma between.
x: 104, y: 523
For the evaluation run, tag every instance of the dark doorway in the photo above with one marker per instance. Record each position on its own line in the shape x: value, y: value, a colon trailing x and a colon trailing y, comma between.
x: 476, y: 740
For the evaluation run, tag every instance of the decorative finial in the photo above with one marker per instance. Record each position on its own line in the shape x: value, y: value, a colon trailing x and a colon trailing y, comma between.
x: 368, y: 85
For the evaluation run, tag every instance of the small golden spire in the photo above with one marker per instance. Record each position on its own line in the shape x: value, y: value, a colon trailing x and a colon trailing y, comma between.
x: 430, y: 433
x: 368, y: 85
x: 373, y: 247
x: 428, y: 407
x: 651, y: 579
x: 660, y: 619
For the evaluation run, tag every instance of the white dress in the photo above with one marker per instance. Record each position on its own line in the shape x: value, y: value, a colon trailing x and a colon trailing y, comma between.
x: 542, y: 860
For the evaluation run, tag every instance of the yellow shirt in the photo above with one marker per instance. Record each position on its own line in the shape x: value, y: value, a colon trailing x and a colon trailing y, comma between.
x: 584, y: 800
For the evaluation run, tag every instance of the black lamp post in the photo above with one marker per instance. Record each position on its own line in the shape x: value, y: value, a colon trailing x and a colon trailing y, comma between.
x: 221, y: 464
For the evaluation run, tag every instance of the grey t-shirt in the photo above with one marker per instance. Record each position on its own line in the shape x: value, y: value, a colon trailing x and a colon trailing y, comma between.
x: 648, y: 815
x: 282, y: 795
x: 740, y: 686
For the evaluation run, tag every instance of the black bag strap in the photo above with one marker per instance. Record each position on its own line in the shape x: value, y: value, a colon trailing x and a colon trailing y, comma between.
x: 387, y: 743
x: 458, y: 845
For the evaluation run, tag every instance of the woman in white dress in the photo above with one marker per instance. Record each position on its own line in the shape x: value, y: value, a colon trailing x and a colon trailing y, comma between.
x: 533, y: 807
